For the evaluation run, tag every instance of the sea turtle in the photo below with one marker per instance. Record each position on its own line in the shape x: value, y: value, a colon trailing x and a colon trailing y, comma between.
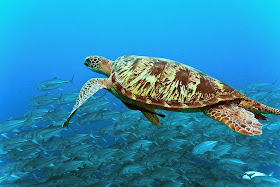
x: 149, y: 83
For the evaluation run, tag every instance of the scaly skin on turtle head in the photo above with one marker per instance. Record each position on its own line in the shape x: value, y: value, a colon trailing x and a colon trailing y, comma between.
x: 99, y: 64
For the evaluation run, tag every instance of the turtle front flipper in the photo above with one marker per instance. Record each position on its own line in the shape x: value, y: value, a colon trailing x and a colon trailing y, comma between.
x: 89, y: 88
x: 236, y: 118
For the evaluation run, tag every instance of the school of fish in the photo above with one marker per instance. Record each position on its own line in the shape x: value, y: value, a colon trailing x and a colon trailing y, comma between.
x: 109, y: 145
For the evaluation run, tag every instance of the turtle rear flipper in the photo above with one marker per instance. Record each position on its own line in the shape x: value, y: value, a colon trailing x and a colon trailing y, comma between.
x: 236, y: 118
x: 89, y: 88
x: 150, y: 114
x: 152, y: 117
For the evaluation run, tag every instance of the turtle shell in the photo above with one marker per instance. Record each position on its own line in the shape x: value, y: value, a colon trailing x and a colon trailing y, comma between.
x: 167, y: 83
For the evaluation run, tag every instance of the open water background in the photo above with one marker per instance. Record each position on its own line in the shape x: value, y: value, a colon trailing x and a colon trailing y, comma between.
x: 237, y: 42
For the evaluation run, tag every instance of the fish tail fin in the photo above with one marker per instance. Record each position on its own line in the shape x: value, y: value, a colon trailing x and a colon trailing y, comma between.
x: 35, y: 140
x: 60, y: 96
x: 155, y: 142
x: 65, y: 157
x: 183, y: 174
x: 91, y: 134
x: 257, y: 107
x: 72, y: 79
x: 141, y: 150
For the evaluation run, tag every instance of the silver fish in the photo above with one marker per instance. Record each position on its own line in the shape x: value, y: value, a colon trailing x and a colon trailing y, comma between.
x: 42, y: 100
x: 67, y: 98
x: 204, y: 147
x: 53, y: 84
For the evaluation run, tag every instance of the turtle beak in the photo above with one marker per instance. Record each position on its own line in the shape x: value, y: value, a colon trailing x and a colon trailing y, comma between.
x: 87, y: 61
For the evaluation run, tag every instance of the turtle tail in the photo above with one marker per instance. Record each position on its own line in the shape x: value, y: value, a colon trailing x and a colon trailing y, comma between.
x: 257, y: 107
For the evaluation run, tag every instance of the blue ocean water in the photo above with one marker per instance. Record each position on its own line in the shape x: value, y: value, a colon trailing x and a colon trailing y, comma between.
x: 237, y: 42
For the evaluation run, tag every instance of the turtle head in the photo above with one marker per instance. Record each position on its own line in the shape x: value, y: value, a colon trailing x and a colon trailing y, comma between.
x: 99, y: 64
